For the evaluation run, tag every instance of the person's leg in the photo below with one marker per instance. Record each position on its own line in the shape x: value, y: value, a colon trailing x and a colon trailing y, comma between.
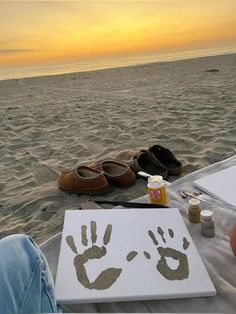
x: 26, y: 284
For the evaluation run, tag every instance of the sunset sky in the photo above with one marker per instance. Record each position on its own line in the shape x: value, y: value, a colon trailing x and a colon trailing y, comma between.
x: 57, y: 32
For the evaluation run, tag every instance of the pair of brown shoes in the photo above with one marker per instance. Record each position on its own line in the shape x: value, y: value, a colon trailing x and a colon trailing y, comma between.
x: 95, y: 180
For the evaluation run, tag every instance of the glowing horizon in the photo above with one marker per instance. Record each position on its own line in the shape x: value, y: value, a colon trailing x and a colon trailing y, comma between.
x: 55, y: 32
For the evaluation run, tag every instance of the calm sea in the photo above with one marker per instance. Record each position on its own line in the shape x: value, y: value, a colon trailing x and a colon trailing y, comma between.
x: 89, y: 65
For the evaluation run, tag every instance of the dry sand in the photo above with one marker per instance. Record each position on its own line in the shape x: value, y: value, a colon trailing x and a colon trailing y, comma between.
x: 54, y: 122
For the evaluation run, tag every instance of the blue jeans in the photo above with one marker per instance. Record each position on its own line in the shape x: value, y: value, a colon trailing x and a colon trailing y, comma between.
x: 26, y: 284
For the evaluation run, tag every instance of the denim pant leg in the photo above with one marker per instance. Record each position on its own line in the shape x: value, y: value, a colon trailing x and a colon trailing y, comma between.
x: 26, y: 284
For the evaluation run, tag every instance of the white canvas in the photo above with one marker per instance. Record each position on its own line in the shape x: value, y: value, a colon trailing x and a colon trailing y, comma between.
x: 133, y: 230
x: 221, y: 184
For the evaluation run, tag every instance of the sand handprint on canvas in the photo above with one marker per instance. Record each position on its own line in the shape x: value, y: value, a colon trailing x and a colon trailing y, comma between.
x: 111, y: 274
x: 167, y: 251
x: 108, y: 276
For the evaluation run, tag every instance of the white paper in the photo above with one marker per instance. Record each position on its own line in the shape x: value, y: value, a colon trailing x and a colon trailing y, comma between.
x: 221, y: 185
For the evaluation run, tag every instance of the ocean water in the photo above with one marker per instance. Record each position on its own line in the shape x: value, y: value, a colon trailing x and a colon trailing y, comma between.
x: 97, y: 64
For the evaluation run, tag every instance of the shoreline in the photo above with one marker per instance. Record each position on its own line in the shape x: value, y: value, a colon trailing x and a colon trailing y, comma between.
x: 116, y: 67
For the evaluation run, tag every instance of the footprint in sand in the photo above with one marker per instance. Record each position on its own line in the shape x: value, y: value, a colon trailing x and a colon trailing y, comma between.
x: 44, y: 174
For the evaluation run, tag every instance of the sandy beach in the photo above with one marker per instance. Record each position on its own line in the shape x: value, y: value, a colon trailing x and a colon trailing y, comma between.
x: 51, y: 123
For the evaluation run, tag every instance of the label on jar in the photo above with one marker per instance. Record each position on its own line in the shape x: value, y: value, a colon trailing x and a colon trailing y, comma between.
x: 158, y: 195
x: 208, y: 229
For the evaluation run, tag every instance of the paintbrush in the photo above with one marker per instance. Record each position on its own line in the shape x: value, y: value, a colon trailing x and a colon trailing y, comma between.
x: 146, y: 175
x: 207, y: 199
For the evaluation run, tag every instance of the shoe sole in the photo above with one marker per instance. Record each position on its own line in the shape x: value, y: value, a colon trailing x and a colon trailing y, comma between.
x: 90, y: 191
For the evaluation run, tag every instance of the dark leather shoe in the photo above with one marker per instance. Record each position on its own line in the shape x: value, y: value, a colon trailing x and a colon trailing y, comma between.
x: 143, y: 162
x: 166, y: 158
x: 83, y: 179
x: 117, y: 173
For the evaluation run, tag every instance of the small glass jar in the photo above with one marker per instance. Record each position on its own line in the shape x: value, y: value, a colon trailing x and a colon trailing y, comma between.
x: 194, y: 209
x: 157, y: 190
x: 207, y: 223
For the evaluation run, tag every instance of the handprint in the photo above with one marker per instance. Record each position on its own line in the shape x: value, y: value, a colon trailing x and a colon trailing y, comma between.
x: 107, y: 277
x: 182, y: 271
